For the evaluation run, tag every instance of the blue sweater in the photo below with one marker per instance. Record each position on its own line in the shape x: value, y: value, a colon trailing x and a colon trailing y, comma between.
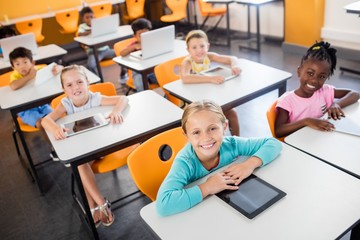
x: 173, y: 198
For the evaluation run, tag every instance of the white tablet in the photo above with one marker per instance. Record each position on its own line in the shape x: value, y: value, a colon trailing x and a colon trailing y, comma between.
x: 85, y: 124
x: 219, y: 71
x: 346, y: 125
x: 44, y: 74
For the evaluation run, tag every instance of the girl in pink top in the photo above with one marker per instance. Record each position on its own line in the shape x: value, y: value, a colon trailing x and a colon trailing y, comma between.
x: 305, y: 105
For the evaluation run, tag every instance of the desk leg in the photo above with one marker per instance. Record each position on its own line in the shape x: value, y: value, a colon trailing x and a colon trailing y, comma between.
x: 98, y: 64
x: 28, y: 156
x: 248, y: 22
x: 195, y: 17
x: 84, y: 206
x: 257, y: 28
x: 282, y: 89
x: 227, y: 24
x: 144, y: 79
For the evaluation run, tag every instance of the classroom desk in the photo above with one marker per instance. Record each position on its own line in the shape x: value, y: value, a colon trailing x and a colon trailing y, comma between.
x: 337, y: 149
x: 147, y: 115
x: 321, y: 203
x: 257, y: 4
x: 255, y: 80
x: 45, y: 54
x: 123, y: 32
x: 353, y: 8
x: 31, y: 96
x: 147, y: 65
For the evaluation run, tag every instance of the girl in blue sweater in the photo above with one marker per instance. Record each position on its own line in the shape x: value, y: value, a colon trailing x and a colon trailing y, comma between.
x: 204, y: 125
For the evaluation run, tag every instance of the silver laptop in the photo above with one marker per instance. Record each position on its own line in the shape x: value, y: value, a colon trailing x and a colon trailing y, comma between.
x: 104, y: 25
x: 23, y: 40
x: 156, y: 42
x: 346, y: 125
x: 219, y: 71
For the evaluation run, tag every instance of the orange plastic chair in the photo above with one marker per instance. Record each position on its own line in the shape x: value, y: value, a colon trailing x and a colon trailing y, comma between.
x: 149, y: 163
x: 5, y: 81
x: 134, y: 9
x: 102, y: 10
x: 207, y: 10
x: 34, y: 26
x: 271, y: 117
x: 68, y: 20
x: 116, y: 159
x: 168, y: 72
x: 118, y: 47
x: 178, y: 11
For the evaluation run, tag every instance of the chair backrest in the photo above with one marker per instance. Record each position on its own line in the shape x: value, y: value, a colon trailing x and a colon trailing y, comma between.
x: 168, y: 72
x: 271, y: 117
x: 178, y: 9
x: 68, y: 20
x: 135, y: 9
x: 145, y: 163
x: 207, y: 9
x: 33, y: 25
x: 102, y: 10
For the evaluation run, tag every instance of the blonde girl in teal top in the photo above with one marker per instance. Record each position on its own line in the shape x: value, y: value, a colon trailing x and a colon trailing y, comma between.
x: 204, y: 125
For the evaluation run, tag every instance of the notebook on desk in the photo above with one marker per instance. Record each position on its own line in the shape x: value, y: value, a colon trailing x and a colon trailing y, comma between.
x: 104, y: 25
x: 346, y: 125
x: 23, y: 40
x: 156, y: 42
x: 219, y: 71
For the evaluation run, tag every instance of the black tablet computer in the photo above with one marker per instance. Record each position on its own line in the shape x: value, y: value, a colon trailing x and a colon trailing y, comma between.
x: 85, y: 124
x: 253, y: 196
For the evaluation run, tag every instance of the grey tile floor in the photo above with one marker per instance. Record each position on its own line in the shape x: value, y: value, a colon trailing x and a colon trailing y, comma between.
x: 25, y: 214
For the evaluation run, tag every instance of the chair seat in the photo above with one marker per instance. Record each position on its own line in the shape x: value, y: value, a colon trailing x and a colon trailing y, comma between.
x: 107, y: 62
x: 26, y: 128
x: 216, y: 11
x: 113, y: 161
x: 172, y: 17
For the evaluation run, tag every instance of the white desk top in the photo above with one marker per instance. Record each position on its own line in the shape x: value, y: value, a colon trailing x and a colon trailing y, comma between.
x: 353, y: 7
x: 44, y: 52
x: 124, y: 31
x: 339, y: 149
x: 254, y: 2
x: 146, y: 111
x: 321, y: 203
x: 254, y: 77
x: 141, y: 65
x: 30, y: 93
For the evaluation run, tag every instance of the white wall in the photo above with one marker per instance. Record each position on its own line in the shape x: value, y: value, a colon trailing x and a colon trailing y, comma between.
x: 271, y: 18
x: 340, y: 28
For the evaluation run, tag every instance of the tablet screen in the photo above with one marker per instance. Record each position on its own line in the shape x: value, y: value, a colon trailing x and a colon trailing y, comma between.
x: 84, y: 124
x: 253, y: 196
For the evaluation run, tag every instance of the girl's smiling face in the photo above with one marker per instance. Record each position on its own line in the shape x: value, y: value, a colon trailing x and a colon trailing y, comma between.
x: 76, y: 87
x: 312, y: 75
x: 205, y: 131
x: 198, y: 48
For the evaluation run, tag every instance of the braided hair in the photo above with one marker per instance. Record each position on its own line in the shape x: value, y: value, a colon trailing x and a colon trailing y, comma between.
x: 321, y: 51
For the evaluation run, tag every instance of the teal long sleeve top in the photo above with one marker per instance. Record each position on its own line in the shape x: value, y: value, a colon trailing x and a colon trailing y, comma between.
x: 173, y: 197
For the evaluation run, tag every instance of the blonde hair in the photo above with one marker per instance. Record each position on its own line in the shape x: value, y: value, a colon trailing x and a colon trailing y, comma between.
x: 195, y: 34
x: 204, y: 105
x: 79, y: 69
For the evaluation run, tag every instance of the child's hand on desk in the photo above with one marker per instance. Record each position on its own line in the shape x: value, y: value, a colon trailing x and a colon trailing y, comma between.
x: 59, y: 133
x: 335, y: 112
x: 217, y: 79
x: 217, y: 183
x: 115, y: 118
x: 235, y: 70
x: 319, y: 124
x: 32, y: 73
x: 239, y: 171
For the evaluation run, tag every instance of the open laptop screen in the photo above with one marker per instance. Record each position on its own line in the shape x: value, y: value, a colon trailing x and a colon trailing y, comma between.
x: 24, y: 40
